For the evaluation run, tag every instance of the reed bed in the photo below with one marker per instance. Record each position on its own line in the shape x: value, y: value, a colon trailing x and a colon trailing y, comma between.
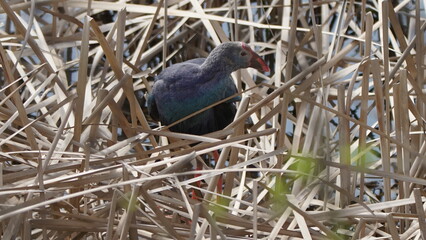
x: 329, y: 145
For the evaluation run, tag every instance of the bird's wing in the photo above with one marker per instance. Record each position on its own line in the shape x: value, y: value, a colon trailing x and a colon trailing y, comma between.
x: 180, y: 75
x: 180, y: 90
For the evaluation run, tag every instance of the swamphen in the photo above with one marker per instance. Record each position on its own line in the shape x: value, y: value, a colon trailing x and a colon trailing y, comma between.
x: 187, y: 87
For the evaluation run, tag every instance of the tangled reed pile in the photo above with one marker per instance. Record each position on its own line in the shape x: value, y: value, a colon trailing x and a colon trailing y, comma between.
x: 329, y: 145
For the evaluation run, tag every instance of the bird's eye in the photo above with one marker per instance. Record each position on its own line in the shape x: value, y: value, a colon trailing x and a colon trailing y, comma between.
x: 243, y: 53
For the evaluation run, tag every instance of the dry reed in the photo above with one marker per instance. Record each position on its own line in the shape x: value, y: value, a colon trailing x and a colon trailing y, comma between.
x: 329, y: 145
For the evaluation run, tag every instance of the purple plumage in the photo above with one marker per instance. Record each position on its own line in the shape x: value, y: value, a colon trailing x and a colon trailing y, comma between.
x: 187, y: 87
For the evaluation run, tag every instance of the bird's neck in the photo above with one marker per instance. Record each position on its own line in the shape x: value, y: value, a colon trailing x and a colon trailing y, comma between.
x: 216, y: 63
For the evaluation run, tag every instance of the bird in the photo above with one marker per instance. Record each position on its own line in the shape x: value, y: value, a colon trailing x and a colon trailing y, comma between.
x: 187, y: 87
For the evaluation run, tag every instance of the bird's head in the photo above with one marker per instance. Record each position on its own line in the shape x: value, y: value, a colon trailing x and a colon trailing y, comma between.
x: 252, y: 58
x: 240, y: 55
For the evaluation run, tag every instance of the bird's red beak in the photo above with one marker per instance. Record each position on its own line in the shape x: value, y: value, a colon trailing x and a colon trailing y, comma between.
x: 256, y: 61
